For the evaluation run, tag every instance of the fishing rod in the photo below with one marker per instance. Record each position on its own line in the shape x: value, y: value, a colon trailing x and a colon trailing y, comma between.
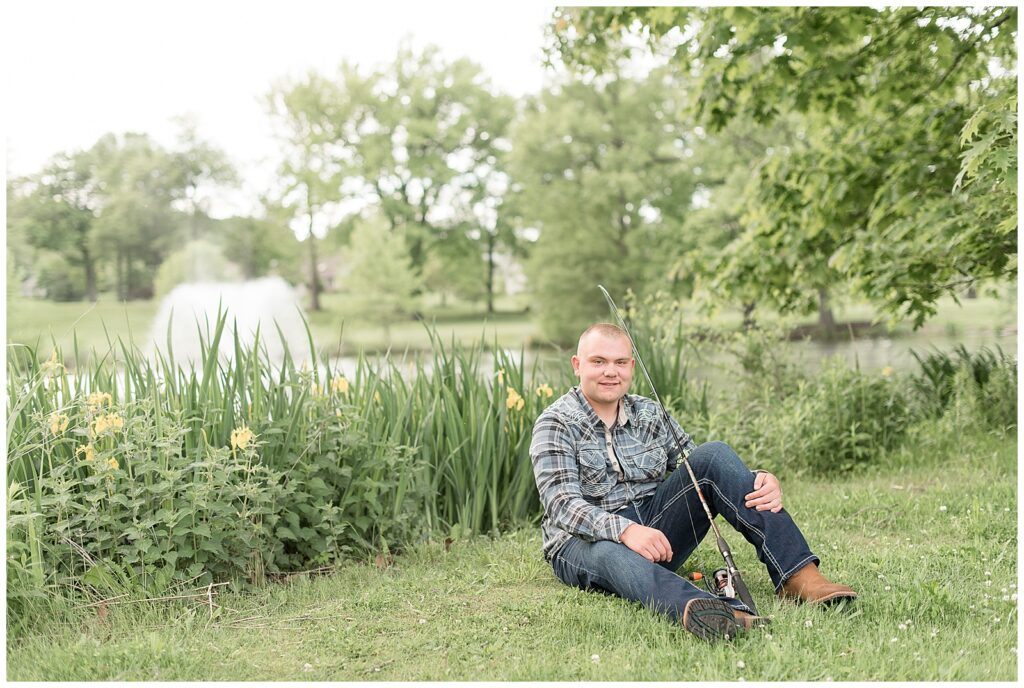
x: 732, y: 572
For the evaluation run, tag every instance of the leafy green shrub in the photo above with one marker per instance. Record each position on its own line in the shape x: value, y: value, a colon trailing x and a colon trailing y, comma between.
x: 937, y: 386
x: 133, y: 476
x: 197, y: 260
x: 835, y: 421
x: 991, y: 404
x: 63, y: 281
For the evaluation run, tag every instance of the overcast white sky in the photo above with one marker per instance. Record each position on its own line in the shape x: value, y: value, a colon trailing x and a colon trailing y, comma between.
x: 75, y: 70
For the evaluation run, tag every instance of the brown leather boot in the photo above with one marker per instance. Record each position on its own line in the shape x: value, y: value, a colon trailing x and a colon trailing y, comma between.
x: 808, y: 585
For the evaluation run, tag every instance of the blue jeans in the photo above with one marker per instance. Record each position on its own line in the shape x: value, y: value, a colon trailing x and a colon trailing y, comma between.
x: 675, y: 510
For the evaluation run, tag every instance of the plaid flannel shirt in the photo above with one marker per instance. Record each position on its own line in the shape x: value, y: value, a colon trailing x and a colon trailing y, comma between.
x: 580, y: 487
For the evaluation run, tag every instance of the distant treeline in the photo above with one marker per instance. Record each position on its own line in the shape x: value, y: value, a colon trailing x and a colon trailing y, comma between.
x: 772, y: 158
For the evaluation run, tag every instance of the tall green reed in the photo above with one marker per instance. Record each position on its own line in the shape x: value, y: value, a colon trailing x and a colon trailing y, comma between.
x: 137, y: 472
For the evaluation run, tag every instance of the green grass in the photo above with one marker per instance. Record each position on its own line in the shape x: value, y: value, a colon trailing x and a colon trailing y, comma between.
x: 512, y: 327
x: 490, y: 609
x: 29, y: 320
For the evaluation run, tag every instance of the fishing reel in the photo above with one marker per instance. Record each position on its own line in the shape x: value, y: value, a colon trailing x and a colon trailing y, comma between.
x: 718, y: 583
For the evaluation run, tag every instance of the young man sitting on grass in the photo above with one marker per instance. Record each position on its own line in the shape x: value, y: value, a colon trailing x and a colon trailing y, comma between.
x: 614, y: 521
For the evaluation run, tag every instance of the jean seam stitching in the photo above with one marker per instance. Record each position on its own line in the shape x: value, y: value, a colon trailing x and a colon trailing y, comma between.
x: 786, y: 576
x: 579, y: 567
x: 706, y: 481
x: 764, y: 542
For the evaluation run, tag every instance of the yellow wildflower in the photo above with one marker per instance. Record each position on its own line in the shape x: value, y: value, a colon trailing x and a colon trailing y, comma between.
x: 340, y: 385
x: 58, y: 423
x: 501, y: 376
x: 112, y: 462
x: 110, y: 421
x: 241, y: 437
x: 53, y: 365
x: 97, y: 399
x: 545, y: 391
x: 89, y: 452
x: 887, y: 371
x: 514, y: 400
x: 376, y: 396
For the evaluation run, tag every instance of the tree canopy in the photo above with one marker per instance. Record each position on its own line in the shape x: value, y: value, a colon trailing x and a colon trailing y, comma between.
x: 903, y: 181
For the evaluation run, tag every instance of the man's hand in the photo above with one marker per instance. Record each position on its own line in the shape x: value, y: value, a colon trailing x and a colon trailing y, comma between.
x: 767, y: 494
x: 650, y: 543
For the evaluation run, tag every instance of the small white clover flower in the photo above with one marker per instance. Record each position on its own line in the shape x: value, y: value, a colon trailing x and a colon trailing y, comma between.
x: 808, y: 623
x: 740, y: 664
x: 596, y: 659
x: 942, y: 508
x: 423, y: 621
x: 988, y: 573
x: 888, y: 587
x: 902, y: 627
x: 894, y: 640
x: 307, y: 667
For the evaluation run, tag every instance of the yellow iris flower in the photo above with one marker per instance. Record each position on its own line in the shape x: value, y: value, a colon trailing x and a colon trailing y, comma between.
x: 110, y: 421
x: 241, y: 437
x: 58, y: 423
x: 514, y: 400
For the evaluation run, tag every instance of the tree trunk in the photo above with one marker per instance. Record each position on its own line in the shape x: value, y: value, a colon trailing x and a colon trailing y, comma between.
x: 826, y: 320
x: 90, y: 276
x: 490, y: 274
x: 120, y: 275
x: 748, y: 315
x: 314, y: 275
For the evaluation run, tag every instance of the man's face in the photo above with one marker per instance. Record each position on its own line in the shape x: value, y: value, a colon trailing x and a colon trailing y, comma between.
x: 604, y: 366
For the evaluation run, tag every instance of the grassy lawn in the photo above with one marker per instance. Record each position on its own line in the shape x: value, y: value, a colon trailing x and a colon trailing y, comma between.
x: 30, y: 320
x: 930, y: 543
x: 512, y: 326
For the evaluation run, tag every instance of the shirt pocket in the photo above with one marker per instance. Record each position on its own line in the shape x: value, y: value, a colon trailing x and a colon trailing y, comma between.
x: 649, y: 464
x: 595, y: 480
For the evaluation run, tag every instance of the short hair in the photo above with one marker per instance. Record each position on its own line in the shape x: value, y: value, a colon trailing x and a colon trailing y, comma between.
x: 603, y: 328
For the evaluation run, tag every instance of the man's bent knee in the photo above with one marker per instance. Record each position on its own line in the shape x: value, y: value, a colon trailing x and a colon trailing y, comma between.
x: 717, y: 459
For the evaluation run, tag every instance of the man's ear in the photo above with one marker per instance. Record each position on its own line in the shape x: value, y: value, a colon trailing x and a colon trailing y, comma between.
x: 576, y: 364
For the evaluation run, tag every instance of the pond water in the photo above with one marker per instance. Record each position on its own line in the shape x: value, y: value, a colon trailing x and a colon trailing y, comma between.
x: 870, y: 354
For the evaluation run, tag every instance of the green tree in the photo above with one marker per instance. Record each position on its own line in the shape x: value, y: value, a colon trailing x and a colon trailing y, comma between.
x: 55, y: 210
x: 602, y: 172
x: 261, y: 246
x: 311, y: 172
x: 136, y: 223
x: 202, y: 168
x: 887, y: 97
x: 423, y: 138
x: 380, y: 278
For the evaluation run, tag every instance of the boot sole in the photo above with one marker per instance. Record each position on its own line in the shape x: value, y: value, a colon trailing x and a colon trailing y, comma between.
x: 710, y: 620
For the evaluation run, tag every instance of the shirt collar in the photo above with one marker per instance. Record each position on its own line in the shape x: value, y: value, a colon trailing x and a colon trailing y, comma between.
x: 625, y: 409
